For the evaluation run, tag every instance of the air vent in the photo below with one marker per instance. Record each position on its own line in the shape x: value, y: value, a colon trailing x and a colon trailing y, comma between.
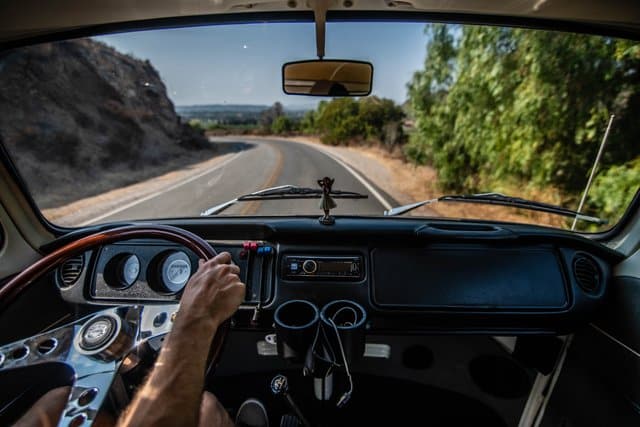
x: 587, y: 273
x: 70, y: 271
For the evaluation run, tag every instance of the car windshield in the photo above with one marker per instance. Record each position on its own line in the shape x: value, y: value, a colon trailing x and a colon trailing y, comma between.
x: 172, y: 122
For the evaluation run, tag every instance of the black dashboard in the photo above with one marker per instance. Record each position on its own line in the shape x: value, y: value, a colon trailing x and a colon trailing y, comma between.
x: 410, y: 275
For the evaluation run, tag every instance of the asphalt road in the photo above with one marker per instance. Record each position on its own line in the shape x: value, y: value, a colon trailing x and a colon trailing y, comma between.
x: 259, y: 164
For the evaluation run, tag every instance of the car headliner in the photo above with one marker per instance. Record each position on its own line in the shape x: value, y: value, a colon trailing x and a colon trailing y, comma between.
x: 36, y: 18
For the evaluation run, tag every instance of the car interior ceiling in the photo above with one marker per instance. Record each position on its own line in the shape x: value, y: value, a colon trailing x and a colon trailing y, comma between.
x: 450, y: 322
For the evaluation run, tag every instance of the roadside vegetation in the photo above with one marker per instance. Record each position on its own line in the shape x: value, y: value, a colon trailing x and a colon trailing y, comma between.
x: 499, y: 109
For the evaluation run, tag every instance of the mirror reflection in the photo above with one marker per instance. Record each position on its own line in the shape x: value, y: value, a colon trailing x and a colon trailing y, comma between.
x: 327, y: 78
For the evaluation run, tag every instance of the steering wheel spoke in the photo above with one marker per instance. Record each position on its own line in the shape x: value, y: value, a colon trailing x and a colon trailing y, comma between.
x: 95, y: 348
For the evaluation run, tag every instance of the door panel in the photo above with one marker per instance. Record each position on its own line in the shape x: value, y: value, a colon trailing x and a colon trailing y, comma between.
x: 600, y: 381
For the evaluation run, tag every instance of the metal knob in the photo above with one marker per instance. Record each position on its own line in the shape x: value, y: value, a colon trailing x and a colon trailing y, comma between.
x: 310, y: 266
x: 279, y: 385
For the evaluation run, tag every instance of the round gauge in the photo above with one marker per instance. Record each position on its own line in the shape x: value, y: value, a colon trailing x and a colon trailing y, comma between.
x: 122, y: 271
x: 130, y: 270
x: 175, y: 271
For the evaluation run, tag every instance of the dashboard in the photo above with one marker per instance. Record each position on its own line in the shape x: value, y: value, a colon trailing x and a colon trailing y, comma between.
x: 409, y: 275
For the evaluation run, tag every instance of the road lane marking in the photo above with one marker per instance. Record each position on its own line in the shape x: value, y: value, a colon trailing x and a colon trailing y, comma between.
x: 159, y: 192
x: 342, y: 163
x: 251, y: 208
x: 356, y: 175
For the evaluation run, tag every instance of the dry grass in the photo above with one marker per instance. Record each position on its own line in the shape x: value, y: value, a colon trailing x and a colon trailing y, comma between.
x: 415, y: 183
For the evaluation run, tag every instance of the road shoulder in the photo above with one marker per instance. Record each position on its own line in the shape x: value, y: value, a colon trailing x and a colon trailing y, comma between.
x: 92, y: 209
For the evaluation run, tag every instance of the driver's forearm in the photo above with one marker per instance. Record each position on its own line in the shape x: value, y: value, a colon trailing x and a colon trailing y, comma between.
x: 171, y: 395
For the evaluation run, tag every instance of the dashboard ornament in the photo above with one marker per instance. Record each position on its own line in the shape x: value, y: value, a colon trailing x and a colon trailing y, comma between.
x: 326, y: 201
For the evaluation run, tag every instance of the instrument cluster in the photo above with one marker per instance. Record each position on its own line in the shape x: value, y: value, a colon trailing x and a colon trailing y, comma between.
x: 142, y: 271
x: 157, y: 271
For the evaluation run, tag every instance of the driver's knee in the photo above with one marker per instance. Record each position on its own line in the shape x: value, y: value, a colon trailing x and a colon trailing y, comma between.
x: 47, y: 410
x: 212, y: 413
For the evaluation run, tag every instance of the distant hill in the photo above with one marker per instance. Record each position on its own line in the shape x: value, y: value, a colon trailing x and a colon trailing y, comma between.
x: 234, y: 113
x: 73, y: 111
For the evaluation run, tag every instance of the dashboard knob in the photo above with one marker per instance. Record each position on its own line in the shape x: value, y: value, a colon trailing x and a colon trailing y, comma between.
x: 310, y: 266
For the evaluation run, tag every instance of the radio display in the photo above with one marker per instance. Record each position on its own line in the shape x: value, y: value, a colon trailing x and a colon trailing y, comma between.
x: 334, y: 266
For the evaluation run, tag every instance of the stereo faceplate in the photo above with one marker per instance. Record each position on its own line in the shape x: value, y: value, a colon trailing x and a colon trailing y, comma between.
x: 311, y: 267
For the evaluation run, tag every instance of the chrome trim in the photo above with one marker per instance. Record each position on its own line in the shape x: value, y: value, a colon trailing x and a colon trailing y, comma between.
x: 95, y: 369
x: 51, y: 350
x: 20, y: 347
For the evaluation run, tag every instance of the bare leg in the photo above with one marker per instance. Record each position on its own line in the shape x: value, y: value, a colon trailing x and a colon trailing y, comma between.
x: 47, y: 410
x: 212, y: 413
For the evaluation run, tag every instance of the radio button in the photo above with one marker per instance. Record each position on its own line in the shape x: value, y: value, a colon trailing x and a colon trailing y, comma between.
x: 310, y: 266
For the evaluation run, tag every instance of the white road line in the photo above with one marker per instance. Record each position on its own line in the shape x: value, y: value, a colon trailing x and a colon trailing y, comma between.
x: 357, y: 176
x: 159, y: 192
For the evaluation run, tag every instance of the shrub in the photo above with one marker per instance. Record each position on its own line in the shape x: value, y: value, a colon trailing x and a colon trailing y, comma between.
x: 613, y: 190
x: 346, y: 119
x: 282, y: 125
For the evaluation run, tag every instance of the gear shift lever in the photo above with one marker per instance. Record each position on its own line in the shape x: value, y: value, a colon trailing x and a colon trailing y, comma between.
x: 280, y: 387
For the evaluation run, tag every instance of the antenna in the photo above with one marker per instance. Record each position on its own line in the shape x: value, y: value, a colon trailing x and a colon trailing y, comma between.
x: 593, y: 172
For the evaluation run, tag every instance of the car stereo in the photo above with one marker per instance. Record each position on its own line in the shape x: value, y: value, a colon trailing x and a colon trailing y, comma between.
x: 322, y: 267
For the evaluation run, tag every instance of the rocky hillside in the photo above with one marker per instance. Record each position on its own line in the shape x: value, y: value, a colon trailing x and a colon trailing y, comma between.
x: 79, y: 118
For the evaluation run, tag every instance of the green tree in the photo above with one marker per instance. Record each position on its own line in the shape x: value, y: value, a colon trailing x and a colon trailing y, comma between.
x: 269, y: 115
x: 346, y: 119
x: 613, y: 190
x: 337, y: 121
x: 282, y: 125
x: 494, y: 105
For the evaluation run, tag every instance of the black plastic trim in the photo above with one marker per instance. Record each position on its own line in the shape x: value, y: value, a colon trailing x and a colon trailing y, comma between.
x: 307, y: 229
x: 605, y: 29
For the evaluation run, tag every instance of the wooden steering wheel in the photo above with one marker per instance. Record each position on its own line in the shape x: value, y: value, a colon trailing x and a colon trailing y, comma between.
x: 95, y: 346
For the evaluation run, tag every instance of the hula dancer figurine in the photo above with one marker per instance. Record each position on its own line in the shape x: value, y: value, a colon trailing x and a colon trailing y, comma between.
x: 326, y: 202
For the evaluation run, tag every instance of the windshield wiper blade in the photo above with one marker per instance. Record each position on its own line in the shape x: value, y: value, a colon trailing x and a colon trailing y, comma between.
x: 502, y: 200
x: 282, y: 192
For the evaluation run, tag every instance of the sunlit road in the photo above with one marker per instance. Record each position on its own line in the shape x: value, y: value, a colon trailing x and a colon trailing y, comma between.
x: 260, y: 164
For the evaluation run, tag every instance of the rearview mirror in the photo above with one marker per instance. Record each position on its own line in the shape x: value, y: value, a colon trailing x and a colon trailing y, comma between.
x: 327, y: 78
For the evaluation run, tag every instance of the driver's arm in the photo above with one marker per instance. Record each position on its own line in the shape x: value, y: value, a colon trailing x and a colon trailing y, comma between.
x: 172, y: 394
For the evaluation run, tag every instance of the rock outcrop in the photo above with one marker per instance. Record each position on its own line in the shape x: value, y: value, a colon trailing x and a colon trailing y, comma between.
x: 73, y: 112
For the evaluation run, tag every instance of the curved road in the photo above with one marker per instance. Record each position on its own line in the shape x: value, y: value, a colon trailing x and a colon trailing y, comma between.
x: 261, y: 163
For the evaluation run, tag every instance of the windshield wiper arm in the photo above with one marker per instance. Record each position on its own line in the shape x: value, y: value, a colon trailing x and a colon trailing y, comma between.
x: 282, y: 192
x: 499, y: 199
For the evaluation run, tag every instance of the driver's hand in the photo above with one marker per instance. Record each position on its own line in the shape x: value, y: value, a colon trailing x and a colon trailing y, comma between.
x: 213, y: 293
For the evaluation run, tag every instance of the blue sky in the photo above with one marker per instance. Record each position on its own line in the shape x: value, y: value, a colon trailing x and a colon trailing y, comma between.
x: 241, y: 64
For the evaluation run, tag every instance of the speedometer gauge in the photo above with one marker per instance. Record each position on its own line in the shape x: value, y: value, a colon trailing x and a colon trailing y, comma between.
x: 130, y: 270
x: 175, y: 271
